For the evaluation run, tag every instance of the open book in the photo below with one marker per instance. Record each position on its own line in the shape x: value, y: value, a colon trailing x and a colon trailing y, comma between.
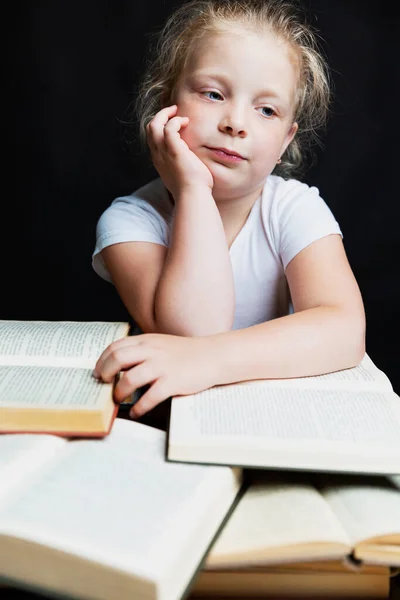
x: 107, y: 518
x: 46, y: 382
x: 346, y: 421
x: 355, y: 519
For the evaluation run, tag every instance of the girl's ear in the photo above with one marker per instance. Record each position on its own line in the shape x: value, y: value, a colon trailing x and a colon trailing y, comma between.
x: 290, y: 135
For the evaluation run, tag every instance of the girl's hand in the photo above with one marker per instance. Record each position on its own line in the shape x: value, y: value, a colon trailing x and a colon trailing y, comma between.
x: 172, y: 365
x: 177, y: 165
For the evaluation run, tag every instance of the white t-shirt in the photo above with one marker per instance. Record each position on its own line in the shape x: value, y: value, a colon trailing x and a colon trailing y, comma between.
x: 287, y: 217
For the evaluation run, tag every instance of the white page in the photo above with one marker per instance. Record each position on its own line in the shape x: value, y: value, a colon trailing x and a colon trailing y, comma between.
x: 281, y: 413
x: 55, y: 343
x: 380, y: 554
x: 22, y: 457
x: 365, y: 510
x: 58, y: 388
x: 117, y: 501
x: 310, y: 429
x: 275, y: 517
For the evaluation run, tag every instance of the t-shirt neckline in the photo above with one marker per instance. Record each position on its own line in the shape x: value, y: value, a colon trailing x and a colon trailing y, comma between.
x: 246, y: 225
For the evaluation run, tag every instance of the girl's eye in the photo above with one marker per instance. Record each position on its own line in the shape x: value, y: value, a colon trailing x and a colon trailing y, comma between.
x: 213, y: 95
x: 267, y: 111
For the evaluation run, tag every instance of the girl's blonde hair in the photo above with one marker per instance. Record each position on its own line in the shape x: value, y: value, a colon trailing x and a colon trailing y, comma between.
x: 196, y: 19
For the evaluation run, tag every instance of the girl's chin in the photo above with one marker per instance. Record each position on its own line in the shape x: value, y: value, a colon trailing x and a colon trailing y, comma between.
x: 226, y: 178
x: 223, y: 189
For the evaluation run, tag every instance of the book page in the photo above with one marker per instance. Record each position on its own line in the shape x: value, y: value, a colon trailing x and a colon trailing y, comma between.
x: 55, y: 343
x: 291, y: 428
x: 379, y: 554
x: 58, y: 388
x: 367, y: 509
x: 279, y: 522
x: 22, y: 457
x: 118, y: 502
x: 278, y: 413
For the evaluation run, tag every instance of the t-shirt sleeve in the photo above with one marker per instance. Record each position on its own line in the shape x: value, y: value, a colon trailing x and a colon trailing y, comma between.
x: 300, y: 218
x: 127, y: 219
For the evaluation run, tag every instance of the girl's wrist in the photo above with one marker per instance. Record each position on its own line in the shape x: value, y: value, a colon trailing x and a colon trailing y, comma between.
x: 193, y: 191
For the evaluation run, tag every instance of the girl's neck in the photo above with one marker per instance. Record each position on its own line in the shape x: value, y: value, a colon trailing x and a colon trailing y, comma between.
x: 234, y: 211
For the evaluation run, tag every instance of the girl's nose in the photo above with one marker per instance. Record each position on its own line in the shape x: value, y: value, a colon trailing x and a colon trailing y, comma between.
x: 233, y: 126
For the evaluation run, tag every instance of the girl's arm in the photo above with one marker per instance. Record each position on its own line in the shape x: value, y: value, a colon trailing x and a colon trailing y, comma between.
x: 195, y: 295
x: 187, y: 289
x: 326, y: 332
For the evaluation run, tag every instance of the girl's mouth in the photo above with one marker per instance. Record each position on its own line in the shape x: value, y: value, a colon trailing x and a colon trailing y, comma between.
x: 227, y: 155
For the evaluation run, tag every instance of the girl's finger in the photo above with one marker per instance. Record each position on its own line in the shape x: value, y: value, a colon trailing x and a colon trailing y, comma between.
x: 118, y: 358
x: 155, y: 129
x: 155, y: 394
x: 126, y: 341
x: 173, y: 140
x: 133, y: 379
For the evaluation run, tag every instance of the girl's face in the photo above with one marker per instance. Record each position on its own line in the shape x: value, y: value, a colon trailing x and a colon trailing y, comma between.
x: 238, y: 90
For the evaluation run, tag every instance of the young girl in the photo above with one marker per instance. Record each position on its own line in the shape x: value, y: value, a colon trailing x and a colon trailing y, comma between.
x: 209, y: 257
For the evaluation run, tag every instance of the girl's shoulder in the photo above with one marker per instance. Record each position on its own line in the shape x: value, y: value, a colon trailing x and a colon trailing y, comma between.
x: 277, y: 190
x: 294, y: 215
x: 152, y: 198
x: 284, y: 197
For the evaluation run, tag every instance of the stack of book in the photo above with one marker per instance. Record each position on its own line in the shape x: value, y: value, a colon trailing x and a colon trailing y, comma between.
x: 297, y: 536
x: 264, y: 489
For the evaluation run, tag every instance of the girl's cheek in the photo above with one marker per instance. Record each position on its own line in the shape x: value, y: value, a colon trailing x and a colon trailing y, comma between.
x: 194, y: 130
x: 187, y: 134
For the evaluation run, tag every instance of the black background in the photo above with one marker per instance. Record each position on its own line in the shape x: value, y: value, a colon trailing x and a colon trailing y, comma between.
x: 75, y: 66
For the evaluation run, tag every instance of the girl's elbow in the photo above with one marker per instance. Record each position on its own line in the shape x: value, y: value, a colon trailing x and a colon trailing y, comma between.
x: 360, y: 349
x: 356, y: 338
